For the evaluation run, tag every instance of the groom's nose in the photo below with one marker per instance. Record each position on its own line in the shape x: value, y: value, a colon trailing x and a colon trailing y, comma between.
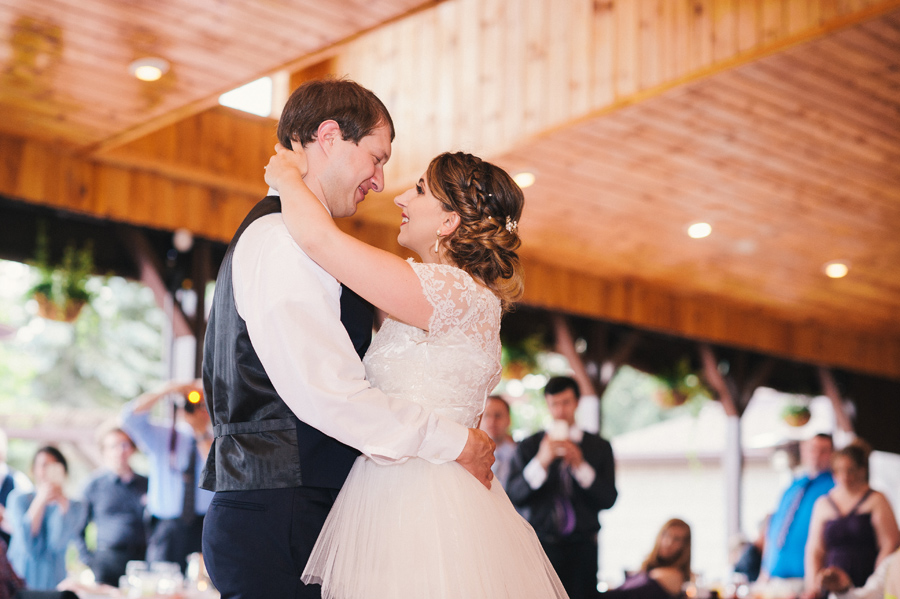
x: 377, y: 179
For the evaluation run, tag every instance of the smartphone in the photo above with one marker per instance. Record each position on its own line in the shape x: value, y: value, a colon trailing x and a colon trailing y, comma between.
x: 55, y: 474
x: 559, y: 430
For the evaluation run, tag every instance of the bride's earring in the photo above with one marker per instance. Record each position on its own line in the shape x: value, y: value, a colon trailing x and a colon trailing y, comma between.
x: 437, y: 241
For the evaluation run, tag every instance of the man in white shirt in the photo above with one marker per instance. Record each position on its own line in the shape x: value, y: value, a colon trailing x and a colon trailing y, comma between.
x: 560, y: 480
x: 284, y: 383
x: 839, y: 586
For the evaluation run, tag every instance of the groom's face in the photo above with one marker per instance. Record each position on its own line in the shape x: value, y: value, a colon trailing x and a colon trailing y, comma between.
x: 355, y: 169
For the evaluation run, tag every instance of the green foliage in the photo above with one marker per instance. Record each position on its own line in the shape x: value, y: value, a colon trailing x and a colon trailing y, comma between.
x: 109, y: 355
x: 629, y: 403
x: 64, y: 282
x: 631, y: 400
x: 680, y: 384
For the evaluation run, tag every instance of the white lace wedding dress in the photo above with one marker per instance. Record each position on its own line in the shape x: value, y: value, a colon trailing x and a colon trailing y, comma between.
x: 418, y: 530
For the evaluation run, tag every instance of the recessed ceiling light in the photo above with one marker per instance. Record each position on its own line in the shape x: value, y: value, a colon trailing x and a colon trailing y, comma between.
x: 149, y: 69
x: 524, y: 179
x: 699, y: 230
x: 836, y: 269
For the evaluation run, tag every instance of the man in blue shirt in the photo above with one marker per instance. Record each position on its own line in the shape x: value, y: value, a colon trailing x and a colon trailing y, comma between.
x: 176, y: 454
x: 789, y: 526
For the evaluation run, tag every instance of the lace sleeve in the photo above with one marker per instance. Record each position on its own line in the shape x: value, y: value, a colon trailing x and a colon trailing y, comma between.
x: 458, y: 301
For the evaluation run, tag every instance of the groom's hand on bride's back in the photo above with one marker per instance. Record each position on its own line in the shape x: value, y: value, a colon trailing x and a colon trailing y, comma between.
x: 478, y: 456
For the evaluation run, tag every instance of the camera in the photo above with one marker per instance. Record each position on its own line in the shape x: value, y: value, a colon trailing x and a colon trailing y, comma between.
x: 190, y: 402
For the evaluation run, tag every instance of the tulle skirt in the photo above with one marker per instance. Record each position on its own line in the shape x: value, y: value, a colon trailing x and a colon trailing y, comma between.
x: 423, y: 531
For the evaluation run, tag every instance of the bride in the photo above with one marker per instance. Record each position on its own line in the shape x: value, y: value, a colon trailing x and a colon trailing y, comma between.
x: 416, y: 529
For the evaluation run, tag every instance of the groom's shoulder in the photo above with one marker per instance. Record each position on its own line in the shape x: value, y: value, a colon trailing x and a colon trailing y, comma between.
x: 265, y: 234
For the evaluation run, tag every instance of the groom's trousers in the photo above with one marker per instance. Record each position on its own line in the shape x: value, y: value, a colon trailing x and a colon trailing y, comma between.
x: 272, y: 533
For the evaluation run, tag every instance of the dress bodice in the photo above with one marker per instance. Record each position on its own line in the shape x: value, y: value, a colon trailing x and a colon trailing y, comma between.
x: 452, y: 367
x: 851, y: 543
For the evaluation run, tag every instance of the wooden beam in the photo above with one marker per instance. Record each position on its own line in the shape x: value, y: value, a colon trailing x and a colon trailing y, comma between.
x: 52, y: 176
x: 151, y: 276
x: 565, y: 345
x: 201, y: 274
x: 711, y: 319
x: 724, y: 387
x: 831, y: 391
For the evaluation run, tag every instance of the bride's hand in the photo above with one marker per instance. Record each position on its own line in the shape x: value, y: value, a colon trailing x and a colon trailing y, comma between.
x: 286, y: 164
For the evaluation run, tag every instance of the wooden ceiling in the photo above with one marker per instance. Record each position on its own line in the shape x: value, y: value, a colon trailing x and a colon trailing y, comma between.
x: 66, y: 77
x: 776, y: 121
x: 794, y: 160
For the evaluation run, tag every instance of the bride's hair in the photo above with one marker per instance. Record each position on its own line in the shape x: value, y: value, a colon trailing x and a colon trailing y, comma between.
x: 489, y: 204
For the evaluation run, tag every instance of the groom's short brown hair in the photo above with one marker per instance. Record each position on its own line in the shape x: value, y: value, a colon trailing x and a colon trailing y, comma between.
x: 354, y: 108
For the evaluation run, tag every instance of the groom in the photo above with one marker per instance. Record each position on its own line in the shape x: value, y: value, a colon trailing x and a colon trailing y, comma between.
x: 284, y: 383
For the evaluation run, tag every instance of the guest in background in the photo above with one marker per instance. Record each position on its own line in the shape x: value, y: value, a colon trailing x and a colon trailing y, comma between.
x: 495, y: 422
x: 853, y: 526
x: 10, y: 479
x: 783, y: 554
x: 563, y: 478
x: 10, y: 582
x: 837, y: 583
x: 44, y: 522
x: 176, y: 454
x: 666, y: 568
x: 114, y: 500
x: 892, y: 578
x: 749, y: 562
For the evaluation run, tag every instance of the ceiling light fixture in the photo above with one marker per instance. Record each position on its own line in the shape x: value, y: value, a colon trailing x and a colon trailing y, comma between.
x: 150, y: 68
x: 699, y: 230
x: 836, y: 269
x: 524, y: 179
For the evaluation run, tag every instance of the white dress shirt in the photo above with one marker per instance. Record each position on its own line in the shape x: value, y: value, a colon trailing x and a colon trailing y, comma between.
x: 292, y: 310
x: 535, y: 474
x: 874, y: 587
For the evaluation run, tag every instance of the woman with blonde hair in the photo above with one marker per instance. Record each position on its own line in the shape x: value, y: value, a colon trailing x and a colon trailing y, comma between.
x: 666, y: 568
x: 417, y: 529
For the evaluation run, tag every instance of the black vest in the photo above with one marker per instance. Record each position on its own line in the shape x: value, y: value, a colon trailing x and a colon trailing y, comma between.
x: 259, y: 443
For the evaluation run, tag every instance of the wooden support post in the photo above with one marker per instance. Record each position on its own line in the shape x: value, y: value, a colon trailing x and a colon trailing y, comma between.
x: 150, y: 269
x: 734, y: 391
x: 831, y: 391
x: 609, y: 360
x: 201, y: 274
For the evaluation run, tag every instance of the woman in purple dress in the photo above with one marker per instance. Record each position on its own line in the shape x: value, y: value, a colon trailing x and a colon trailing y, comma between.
x: 853, y: 526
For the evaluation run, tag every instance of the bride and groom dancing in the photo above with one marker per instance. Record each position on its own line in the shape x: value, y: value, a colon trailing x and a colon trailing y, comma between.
x: 296, y: 506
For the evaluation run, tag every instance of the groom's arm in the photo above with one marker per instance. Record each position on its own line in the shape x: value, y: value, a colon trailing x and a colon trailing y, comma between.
x: 292, y: 310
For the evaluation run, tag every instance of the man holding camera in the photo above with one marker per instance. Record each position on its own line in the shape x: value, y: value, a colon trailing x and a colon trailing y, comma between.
x: 176, y: 454
x: 561, y: 479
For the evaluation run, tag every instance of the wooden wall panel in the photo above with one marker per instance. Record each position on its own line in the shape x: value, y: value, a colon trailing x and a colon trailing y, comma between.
x: 50, y: 176
x: 710, y: 319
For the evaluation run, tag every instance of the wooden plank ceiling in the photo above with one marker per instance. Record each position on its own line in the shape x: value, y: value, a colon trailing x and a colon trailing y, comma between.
x: 66, y: 78
x: 776, y: 121
x: 793, y: 159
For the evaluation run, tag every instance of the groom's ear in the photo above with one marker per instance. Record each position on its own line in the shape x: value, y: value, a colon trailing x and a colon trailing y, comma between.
x: 328, y: 133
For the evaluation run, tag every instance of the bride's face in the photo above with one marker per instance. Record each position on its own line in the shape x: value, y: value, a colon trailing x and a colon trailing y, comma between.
x: 421, y: 217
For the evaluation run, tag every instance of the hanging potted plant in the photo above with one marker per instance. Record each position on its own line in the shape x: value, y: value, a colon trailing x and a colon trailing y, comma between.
x: 519, y: 359
x: 61, y: 291
x: 678, y: 385
x: 796, y: 413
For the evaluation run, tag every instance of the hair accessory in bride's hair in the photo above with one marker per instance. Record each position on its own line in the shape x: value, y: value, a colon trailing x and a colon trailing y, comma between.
x: 512, y: 225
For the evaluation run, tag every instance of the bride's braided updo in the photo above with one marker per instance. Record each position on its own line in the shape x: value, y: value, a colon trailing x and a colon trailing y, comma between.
x: 489, y: 204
